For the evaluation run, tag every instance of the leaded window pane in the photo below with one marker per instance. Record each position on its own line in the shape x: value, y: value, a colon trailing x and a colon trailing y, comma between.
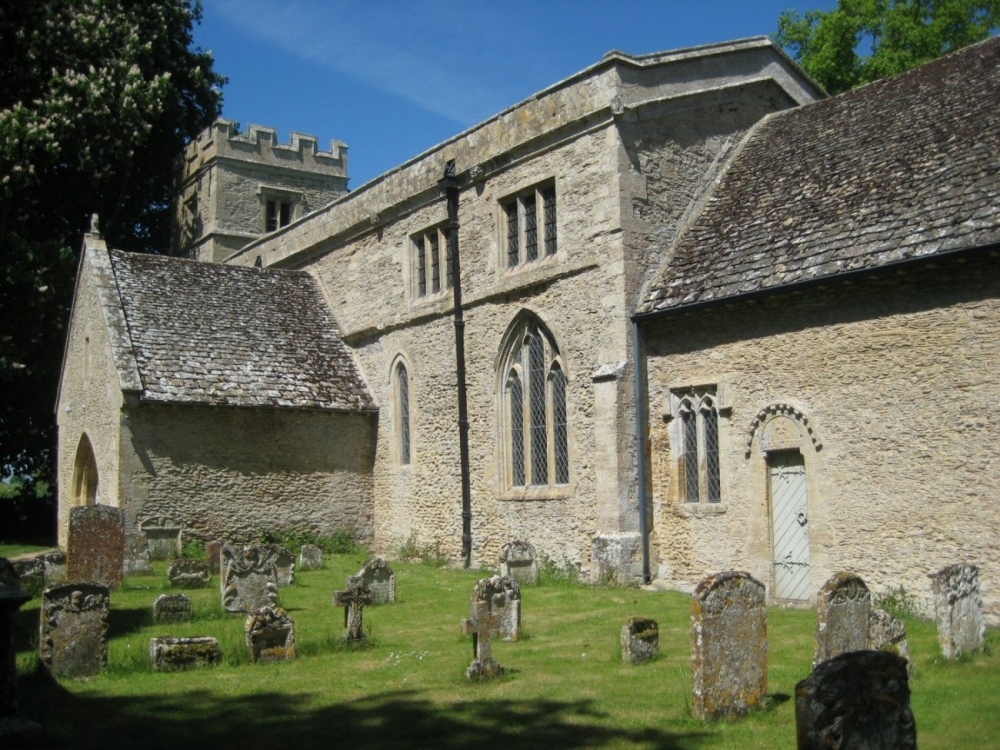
x: 435, y: 264
x: 537, y: 414
x: 549, y: 209
x: 403, y: 386
x: 271, y: 216
x: 421, y: 267
x: 559, y: 430
x: 710, y: 418
x: 513, y: 251
x: 449, y: 276
x: 515, y: 397
x: 689, y: 457
x: 530, y: 228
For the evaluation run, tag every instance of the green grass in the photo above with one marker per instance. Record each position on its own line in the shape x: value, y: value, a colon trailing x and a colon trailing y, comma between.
x: 13, y: 550
x: 567, y: 686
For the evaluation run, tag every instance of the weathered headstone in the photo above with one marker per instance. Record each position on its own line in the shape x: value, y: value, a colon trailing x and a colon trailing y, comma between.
x: 310, y: 557
x: 270, y: 635
x: 353, y: 599
x: 163, y: 537
x: 11, y: 599
x: 376, y: 575
x: 888, y: 633
x: 137, y: 555
x: 284, y: 561
x: 55, y: 565
x: 172, y: 608
x: 249, y: 578
x: 213, y: 551
x: 640, y: 640
x: 480, y: 626
x: 177, y: 654
x: 729, y: 645
x: 73, y: 639
x: 842, y: 610
x: 859, y: 700
x: 958, y: 609
x: 519, y: 561
x: 96, y: 548
x: 503, y: 597
x: 31, y: 574
x: 189, y: 574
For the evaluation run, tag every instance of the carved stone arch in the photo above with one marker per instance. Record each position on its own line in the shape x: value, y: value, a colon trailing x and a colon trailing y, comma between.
x: 524, y: 320
x: 86, y: 480
x: 781, y: 427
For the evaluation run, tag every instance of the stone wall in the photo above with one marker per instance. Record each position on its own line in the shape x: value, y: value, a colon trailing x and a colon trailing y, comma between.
x: 894, y: 378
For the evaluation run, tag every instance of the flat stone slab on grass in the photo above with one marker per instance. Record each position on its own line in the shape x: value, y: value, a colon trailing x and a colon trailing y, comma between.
x: 179, y: 654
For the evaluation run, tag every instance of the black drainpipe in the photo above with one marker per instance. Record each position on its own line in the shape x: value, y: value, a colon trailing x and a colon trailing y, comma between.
x: 450, y: 185
x: 640, y: 445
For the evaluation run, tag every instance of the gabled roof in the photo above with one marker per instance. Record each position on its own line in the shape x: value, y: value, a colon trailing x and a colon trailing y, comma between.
x: 900, y: 169
x: 201, y: 333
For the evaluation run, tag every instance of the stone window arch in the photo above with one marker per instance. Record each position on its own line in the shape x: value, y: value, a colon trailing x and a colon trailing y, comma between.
x: 532, y: 395
x: 85, y: 477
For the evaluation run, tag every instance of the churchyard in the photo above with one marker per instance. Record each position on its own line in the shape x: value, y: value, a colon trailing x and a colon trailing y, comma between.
x: 404, y: 685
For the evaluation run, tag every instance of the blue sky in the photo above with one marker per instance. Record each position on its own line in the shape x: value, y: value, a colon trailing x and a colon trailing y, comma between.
x: 392, y: 78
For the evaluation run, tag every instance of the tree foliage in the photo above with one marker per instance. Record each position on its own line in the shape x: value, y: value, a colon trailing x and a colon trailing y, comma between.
x: 97, y: 98
x: 864, y: 40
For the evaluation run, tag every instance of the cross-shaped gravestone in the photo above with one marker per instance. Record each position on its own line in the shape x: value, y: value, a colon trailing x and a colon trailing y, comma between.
x: 479, y: 627
x: 353, y: 599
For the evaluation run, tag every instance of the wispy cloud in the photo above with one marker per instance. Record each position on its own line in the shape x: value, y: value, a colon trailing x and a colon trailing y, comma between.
x: 442, y: 55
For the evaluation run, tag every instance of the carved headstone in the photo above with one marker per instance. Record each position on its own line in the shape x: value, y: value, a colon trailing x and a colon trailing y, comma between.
x: 284, y: 561
x: 640, y: 640
x: 888, y: 633
x: 310, y: 557
x: 503, y: 597
x: 73, y: 638
x: 859, y: 700
x: 376, y: 575
x: 137, y: 555
x: 189, y: 574
x: 270, y: 635
x: 480, y: 626
x: 31, y: 574
x: 172, y: 608
x: 958, y: 609
x: 11, y: 599
x: 163, y: 537
x: 519, y: 561
x: 729, y: 645
x: 353, y: 599
x: 177, y: 654
x: 96, y: 548
x: 249, y: 578
x: 213, y: 551
x: 842, y: 610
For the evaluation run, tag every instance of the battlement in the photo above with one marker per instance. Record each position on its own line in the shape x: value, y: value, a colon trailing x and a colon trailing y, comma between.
x: 259, y: 145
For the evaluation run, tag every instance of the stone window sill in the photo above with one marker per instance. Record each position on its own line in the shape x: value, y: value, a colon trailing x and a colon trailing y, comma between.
x: 699, y: 510
x: 546, y: 492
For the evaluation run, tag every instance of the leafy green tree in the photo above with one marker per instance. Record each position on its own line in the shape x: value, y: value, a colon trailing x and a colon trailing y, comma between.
x: 97, y: 98
x: 864, y: 40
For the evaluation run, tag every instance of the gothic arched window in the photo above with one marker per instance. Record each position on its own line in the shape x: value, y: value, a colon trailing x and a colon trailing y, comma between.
x: 533, y: 408
x: 401, y: 378
x: 698, y: 455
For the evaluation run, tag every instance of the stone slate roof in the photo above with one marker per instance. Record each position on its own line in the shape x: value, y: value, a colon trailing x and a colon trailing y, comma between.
x: 203, y: 333
x: 899, y: 169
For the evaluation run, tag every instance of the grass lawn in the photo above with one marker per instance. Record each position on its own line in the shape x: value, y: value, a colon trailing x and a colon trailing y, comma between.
x: 567, y: 688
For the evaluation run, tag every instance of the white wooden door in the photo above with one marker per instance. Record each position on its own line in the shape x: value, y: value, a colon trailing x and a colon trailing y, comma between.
x: 790, y: 524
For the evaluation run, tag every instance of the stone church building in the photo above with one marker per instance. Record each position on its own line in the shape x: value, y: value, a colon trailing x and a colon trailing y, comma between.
x: 711, y: 318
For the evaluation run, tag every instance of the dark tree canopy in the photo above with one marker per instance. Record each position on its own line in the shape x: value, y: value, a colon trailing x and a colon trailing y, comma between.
x: 97, y: 99
x: 865, y: 40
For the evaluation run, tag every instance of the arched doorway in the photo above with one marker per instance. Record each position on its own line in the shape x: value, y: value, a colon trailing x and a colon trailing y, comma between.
x: 85, y: 479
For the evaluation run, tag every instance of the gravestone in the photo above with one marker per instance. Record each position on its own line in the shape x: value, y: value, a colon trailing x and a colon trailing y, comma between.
x: 729, y: 645
x: 353, y: 599
x: 249, y: 578
x: 213, y: 551
x: 310, y: 557
x: 480, y: 626
x: 376, y: 575
x: 73, y: 638
x: 163, y: 537
x: 842, y: 611
x: 859, y: 700
x: 888, y: 633
x: 31, y: 574
x: 178, y: 654
x: 640, y: 640
x: 137, y: 555
x: 518, y: 560
x: 55, y: 565
x: 11, y: 599
x: 503, y: 597
x: 284, y: 561
x: 172, y: 608
x: 189, y: 574
x: 96, y: 548
x: 958, y: 609
x: 270, y: 635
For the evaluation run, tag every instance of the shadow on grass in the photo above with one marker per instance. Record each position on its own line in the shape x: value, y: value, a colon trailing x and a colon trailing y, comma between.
x: 401, y: 720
